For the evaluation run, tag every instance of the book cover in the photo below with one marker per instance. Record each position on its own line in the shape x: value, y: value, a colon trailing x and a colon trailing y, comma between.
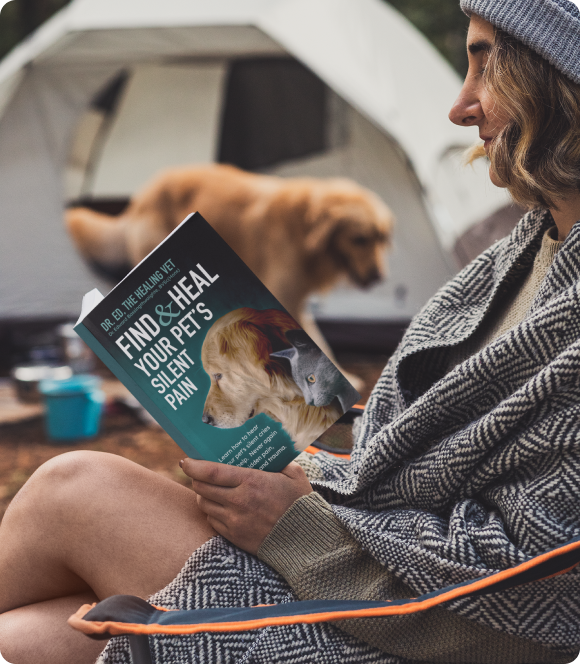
x: 213, y: 356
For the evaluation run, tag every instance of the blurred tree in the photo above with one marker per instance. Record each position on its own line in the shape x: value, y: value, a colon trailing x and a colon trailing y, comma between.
x: 21, y: 17
x: 442, y: 22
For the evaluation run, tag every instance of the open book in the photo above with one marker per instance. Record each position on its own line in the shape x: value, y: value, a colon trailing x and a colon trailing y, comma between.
x: 213, y: 356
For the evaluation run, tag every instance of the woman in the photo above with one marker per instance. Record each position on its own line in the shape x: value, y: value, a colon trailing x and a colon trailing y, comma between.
x: 467, y: 460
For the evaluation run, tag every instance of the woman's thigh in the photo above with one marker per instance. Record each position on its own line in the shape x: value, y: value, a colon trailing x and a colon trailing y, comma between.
x: 90, y: 520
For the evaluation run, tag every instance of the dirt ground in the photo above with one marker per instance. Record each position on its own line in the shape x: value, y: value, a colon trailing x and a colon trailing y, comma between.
x: 24, y: 445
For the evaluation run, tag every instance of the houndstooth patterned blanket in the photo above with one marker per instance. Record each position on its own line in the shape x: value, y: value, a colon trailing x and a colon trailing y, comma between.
x: 220, y: 575
x: 454, y: 475
x: 460, y: 474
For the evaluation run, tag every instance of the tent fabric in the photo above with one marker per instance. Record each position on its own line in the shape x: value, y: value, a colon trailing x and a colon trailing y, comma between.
x: 351, y: 45
x: 141, y: 144
x: 40, y: 272
x: 362, y: 50
x: 371, y: 158
x: 263, y: 95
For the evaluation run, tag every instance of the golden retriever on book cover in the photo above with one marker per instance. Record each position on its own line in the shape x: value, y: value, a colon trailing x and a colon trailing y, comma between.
x: 246, y: 380
x: 298, y: 235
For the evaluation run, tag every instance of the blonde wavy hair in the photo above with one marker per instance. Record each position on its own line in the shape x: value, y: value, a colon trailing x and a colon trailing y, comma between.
x: 537, y: 154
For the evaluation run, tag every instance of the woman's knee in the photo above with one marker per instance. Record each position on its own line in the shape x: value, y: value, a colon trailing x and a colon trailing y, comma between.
x: 65, y: 482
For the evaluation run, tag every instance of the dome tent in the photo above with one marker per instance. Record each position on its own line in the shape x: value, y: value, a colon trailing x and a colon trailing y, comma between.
x: 108, y: 92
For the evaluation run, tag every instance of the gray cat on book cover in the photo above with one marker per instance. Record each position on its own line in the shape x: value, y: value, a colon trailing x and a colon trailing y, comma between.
x: 316, y: 376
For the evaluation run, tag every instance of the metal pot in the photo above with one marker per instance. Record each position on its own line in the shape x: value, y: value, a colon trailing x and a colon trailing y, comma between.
x: 26, y: 379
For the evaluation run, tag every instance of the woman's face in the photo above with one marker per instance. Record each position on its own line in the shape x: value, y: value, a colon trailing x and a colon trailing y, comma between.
x: 474, y: 106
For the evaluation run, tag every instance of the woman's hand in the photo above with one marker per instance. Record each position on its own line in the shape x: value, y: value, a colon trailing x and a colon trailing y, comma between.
x: 244, y: 504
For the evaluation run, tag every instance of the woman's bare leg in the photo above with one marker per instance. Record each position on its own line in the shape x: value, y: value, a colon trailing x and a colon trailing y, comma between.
x: 39, y: 633
x: 89, y: 522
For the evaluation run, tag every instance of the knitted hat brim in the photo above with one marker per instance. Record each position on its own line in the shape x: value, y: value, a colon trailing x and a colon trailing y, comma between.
x: 549, y: 27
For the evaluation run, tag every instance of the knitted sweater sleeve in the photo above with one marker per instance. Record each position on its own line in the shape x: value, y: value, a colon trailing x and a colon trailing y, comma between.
x: 319, y: 559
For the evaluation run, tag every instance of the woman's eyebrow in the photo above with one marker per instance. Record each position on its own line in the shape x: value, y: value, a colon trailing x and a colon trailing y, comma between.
x: 479, y: 46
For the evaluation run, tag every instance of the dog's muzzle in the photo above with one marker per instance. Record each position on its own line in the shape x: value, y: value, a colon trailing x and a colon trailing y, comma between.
x: 370, y: 278
x: 206, y: 418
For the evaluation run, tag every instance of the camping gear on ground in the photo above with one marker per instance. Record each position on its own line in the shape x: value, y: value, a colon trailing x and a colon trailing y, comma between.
x: 73, y: 407
x: 26, y: 379
x: 110, y: 92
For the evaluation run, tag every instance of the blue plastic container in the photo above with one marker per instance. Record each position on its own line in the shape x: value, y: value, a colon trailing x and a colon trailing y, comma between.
x: 73, y: 407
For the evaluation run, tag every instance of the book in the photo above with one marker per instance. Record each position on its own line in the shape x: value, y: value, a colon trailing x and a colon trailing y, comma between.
x: 213, y: 356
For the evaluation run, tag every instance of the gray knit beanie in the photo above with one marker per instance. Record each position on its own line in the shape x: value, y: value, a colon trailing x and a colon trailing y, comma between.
x: 549, y: 27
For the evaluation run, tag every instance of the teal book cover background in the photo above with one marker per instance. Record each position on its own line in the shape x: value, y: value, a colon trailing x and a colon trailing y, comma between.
x: 157, y: 343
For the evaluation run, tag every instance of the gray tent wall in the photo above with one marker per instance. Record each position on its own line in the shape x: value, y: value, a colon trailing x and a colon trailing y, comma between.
x: 417, y: 264
x: 41, y: 276
x: 356, y: 149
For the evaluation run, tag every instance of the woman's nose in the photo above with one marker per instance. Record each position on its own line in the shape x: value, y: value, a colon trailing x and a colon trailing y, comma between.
x: 466, y: 111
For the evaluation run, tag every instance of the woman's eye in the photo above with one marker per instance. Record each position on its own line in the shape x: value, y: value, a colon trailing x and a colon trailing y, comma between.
x: 311, y: 378
x: 217, y: 377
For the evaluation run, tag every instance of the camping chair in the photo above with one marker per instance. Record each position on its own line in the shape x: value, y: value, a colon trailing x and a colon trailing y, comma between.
x: 137, y: 619
x: 134, y: 617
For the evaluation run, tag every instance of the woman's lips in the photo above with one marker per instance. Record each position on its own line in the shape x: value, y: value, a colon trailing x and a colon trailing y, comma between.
x: 486, y: 141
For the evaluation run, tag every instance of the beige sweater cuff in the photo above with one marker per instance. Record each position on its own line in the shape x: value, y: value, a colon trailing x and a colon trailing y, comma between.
x: 303, y: 535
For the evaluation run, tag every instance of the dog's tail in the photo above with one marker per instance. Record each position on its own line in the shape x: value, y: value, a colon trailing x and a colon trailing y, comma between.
x: 101, y: 239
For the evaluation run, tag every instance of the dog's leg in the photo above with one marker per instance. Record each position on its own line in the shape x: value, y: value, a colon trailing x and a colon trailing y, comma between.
x: 311, y: 328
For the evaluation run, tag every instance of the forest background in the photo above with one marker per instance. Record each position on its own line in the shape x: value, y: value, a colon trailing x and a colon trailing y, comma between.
x: 441, y: 21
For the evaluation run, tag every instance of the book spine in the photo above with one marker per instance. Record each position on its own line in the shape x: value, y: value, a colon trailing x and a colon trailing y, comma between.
x: 141, y: 396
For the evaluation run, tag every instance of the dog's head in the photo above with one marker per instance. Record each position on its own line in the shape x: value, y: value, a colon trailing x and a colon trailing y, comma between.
x: 353, y: 227
x: 236, y: 356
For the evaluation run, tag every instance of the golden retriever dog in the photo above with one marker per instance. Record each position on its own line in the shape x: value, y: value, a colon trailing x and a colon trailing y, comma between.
x: 246, y: 381
x: 298, y: 235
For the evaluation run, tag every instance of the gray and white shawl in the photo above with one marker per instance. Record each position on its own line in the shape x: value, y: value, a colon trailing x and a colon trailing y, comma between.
x: 461, y: 474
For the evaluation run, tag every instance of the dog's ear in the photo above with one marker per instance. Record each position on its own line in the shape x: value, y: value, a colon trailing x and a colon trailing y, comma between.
x: 223, y: 344
x: 271, y: 327
x: 266, y: 339
x: 252, y: 337
x: 249, y: 342
x: 320, y: 229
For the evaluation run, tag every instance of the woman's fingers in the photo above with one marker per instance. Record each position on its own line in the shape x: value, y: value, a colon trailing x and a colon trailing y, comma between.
x: 218, y: 526
x: 211, y: 508
x: 212, y: 472
x: 244, y: 504
x: 294, y: 471
x: 217, y: 494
